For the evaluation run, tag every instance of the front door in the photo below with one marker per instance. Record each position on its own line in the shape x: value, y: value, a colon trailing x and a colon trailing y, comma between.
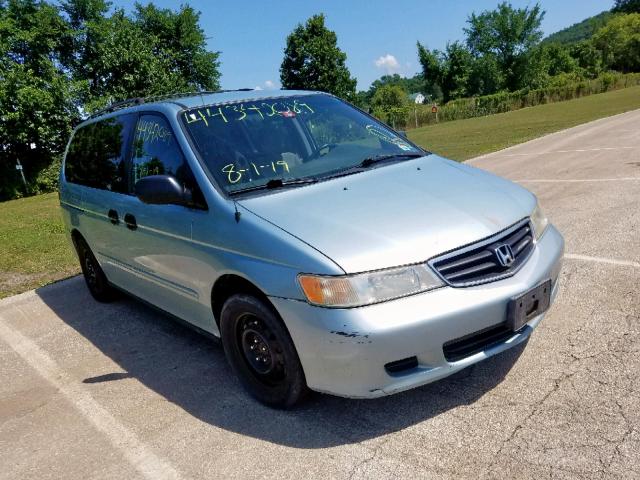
x: 167, y: 268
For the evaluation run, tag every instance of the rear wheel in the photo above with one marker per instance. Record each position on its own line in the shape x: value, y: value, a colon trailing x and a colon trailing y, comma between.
x: 261, y: 352
x: 94, y: 277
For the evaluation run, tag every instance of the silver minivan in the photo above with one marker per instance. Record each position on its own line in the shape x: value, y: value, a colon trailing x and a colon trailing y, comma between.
x: 324, y: 249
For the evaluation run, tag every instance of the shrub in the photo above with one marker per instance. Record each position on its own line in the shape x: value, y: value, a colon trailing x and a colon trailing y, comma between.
x: 47, y: 178
x: 566, y: 86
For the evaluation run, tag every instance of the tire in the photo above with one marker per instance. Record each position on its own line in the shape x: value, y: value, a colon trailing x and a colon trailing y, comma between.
x: 261, y: 352
x: 94, y: 277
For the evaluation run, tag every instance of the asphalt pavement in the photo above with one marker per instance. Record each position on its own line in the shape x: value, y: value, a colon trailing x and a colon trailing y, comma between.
x: 121, y: 391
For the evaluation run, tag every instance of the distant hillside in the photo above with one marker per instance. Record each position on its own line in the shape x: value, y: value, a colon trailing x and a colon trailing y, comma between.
x: 580, y: 31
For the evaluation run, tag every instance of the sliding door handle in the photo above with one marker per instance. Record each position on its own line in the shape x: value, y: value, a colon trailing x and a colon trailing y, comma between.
x: 130, y: 221
x: 113, y: 216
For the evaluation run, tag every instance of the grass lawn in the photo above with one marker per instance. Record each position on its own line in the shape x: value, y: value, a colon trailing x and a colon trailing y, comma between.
x: 34, y: 249
x: 463, y: 139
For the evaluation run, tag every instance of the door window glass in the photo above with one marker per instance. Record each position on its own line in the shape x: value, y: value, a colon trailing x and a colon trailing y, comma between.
x: 156, y: 152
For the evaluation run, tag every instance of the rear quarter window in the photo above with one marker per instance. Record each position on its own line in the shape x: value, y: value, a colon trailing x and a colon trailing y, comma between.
x: 97, y: 154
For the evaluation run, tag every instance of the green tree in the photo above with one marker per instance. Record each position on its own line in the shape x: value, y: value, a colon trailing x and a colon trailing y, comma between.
x: 156, y: 51
x: 456, y: 71
x: 313, y: 61
x: 79, y: 41
x: 619, y: 42
x: 588, y: 58
x: 544, y: 63
x: 509, y: 34
x: 60, y: 60
x: 432, y: 70
x: 362, y: 100
x: 36, y: 99
x: 389, y: 96
x: 533, y: 68
x: 558, y: 59
x: 122, y: 63
x: 486, y: 77
x: 181, y: 43
x: 409, y: 84
x: 578, y: 32
x: 627, y: 6
x: 447, y: 75
x: 390, y: 103
x: 413, y: 84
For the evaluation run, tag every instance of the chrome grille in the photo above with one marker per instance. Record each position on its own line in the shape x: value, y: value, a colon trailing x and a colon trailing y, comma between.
x: 481, y: 262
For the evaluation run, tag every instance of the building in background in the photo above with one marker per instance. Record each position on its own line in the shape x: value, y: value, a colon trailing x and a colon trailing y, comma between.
x: 417, y: 98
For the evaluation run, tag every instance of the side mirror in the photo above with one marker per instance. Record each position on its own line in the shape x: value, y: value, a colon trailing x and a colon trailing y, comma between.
x: 161, y: 190
x: 402, y: 133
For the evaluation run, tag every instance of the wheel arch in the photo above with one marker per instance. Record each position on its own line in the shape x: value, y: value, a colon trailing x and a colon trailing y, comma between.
x: 77, y: 237
x: 231, y: 284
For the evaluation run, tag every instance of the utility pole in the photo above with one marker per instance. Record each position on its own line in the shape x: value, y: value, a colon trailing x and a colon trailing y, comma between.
x: 20, y: 169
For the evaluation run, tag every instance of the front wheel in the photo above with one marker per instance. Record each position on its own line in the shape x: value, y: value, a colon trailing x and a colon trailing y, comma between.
x: 261, y: 352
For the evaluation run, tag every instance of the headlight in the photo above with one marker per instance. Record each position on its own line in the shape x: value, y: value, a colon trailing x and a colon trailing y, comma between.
x: 539, y: 221
x: 367, y: 288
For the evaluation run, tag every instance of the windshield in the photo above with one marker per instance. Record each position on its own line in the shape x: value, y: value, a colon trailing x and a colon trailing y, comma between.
x: 253, y: 143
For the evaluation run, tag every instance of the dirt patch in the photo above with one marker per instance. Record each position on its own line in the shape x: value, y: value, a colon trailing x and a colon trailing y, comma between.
x: 11, y: 280
x: 12, y: 283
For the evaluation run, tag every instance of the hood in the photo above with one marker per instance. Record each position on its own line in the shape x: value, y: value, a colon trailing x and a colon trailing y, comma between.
x: 396, y: 214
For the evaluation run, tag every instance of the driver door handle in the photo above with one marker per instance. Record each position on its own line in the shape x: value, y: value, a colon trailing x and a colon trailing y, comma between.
x: 130, y: 221
x: 113, y: 217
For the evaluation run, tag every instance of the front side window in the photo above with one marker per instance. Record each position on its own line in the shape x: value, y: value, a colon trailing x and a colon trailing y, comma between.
x: 250, y: 143
x: 156, y: 152
x: 96, y: 156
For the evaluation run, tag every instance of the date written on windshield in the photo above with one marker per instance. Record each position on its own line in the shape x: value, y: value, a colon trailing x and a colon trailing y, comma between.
x: 235, y: 174
x: 242, y: 111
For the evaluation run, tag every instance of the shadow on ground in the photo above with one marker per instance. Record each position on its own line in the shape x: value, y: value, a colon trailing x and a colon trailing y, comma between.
x: 190, y: 370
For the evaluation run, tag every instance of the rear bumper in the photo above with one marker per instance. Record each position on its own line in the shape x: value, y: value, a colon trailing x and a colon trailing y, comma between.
x: 344, y: 351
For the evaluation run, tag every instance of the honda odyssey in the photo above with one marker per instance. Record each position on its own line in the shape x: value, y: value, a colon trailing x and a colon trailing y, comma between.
x: 326, y: 250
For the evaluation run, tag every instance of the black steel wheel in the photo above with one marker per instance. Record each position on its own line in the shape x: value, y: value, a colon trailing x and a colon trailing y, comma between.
x: 261, y: 352
x: 94, y: 277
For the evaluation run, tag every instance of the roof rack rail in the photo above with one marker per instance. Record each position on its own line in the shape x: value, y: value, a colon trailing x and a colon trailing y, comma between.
x: 112, y: 107
x: 132, y: 102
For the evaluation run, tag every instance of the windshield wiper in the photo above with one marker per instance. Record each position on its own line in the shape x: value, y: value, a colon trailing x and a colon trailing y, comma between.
x: 367, y: 162
x: 275, y: 183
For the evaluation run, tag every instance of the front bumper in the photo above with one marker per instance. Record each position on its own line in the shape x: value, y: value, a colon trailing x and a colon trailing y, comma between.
x: 344, y: 351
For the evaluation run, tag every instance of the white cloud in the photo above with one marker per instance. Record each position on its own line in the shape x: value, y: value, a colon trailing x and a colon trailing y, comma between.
x: 388, y: 62
x: 267, y: 85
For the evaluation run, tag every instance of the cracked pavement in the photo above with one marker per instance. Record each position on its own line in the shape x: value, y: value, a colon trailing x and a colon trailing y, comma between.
x: 121, y: 391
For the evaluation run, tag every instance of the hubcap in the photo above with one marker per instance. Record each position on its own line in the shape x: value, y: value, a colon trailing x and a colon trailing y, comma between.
x: 92, y: 275
x: 261, y: 349
x: 257, y: 351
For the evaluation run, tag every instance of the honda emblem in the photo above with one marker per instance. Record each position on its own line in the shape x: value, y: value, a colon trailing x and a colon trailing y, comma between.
x: 504, y: 254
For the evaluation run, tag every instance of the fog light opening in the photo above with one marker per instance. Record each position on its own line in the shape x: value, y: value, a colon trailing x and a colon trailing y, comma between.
x: 400, y: 366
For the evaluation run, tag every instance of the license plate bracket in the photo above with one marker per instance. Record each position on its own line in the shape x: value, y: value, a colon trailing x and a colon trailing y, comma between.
x: 528, y: 305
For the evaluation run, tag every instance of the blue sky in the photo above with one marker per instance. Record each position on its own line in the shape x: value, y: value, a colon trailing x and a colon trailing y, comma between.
x: 378, y: 36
